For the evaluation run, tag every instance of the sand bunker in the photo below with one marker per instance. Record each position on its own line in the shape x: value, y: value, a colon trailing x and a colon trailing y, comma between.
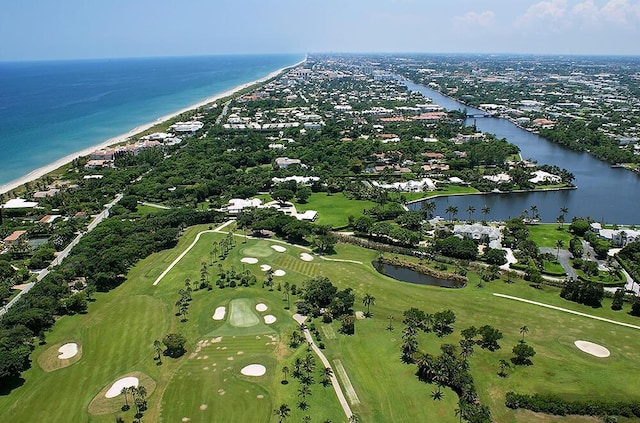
x: 265, y: 267
x: 254, y: 370
x: 261, y: 307
x: 279, y: 248
x: 68, y: 350
x: 306, y: 257
x: 116, y: 388
x: 249, y: 260
x: 279, y: 272
x: 268, y: 319
x: 593, y: 349
x: 219, y: 314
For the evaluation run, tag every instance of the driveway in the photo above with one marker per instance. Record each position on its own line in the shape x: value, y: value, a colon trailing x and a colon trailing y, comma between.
x: 563, y: 258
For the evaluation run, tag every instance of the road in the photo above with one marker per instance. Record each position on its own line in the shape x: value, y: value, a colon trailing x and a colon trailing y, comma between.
x: 334, y: 380
x: 64, y: 253
x: 563, y: 258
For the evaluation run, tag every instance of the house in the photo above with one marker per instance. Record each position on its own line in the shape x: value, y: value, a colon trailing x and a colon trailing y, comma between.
x: 284, y: 162
x: 15, y: 238
x: 541, y: 176
x: 478, y: 232
x: 620, y: 237
x: 236, y: 205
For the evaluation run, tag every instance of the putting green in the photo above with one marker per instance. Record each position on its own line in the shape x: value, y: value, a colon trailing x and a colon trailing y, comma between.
x: 261, y: 249
x: 242, y: 314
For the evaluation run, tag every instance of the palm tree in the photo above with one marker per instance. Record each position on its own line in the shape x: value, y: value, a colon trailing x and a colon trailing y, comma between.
x: 428, y: 208
x: 157, y: 345
x: 524, y: 330
x: 327, y: 373
x: 285, y: 372
x: 125, y: 391
x: 559, y: 244
x: 304, y: 391
x: 504, y: 365
x: 485, y: 211
x: 367, y: 301
x: 390, y: 325
x: 534, y: 212
x: 287, y: 287
x: 471, y: 210
x: 450, y: 210
x: 282, y: 412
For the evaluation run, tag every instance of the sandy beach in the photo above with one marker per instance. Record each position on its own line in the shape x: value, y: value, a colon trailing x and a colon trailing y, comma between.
x: 40, y: 172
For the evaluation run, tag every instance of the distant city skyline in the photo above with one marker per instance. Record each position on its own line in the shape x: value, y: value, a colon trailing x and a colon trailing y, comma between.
x: 78, y: 29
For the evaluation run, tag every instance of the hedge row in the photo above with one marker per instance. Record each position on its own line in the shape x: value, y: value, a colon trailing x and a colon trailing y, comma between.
x: 553, y: 404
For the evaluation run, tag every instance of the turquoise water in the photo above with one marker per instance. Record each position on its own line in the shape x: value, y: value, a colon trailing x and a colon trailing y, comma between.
x: 49, y: 110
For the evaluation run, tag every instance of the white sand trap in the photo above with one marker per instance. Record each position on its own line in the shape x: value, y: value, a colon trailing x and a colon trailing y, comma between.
x: 279, y: 272
x: 219, y: 314
x: 253, y: 370
x: 261, y: 307
x: 306, y: 257
x: 593, y: 349
x: 268, y: 319
x: 116, y: 388
x: 359, y: 315
x: 279, y: 248
x: 68, y: 350
x: 265, y: 267
x: 249, y: 260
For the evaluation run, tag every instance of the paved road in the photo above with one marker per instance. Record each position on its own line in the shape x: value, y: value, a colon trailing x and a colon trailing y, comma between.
x: 563, y: 258
x: 334, y: 380
x: 615, y: 322
x: 63, y: 254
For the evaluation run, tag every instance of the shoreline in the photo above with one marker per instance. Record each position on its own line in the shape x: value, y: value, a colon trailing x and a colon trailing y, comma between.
x: 515, y: 191
x: 118, y: 139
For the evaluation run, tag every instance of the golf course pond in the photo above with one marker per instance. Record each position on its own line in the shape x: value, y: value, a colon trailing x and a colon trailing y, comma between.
x: 409, y: 275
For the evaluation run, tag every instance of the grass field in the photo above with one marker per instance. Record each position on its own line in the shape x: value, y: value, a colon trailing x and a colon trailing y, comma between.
x: 547, y: 234
x: 334, y: 209
x: 205, y: 385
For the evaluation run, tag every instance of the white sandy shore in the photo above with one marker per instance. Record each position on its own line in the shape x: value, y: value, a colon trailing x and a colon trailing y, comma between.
x: 40, y: 172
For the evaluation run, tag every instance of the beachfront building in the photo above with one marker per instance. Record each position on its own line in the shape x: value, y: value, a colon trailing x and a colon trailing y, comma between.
x: 19, y: 203
x: 187, y: 128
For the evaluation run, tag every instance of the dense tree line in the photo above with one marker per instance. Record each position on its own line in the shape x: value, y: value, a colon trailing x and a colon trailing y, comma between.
x: 554, y: 404
x: 583, y: 292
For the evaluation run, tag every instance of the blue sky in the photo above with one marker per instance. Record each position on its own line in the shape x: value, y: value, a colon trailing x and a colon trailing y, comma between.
x: 68, y: 29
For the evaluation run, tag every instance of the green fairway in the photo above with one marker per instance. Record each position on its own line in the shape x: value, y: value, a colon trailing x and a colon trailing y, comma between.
x: 206, y: 384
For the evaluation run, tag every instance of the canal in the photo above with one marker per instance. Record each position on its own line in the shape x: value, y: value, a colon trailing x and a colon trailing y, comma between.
x: 606, y: 194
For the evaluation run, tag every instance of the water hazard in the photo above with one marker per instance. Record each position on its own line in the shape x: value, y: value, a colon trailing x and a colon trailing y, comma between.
x: 408, y: 275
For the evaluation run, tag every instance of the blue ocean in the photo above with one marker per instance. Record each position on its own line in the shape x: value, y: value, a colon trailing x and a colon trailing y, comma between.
x: 51, y: 109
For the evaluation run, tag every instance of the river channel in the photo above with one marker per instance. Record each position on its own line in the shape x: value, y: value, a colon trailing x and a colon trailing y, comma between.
x: 607, y: 194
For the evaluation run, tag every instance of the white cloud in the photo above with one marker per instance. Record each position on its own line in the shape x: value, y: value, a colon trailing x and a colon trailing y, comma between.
x: 553, y: 10
x: 484, y: 19
x: 587, y: 11
x: 619, y: 12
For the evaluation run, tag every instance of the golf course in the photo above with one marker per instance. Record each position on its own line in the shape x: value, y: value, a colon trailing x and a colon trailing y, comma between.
x: 237, y: 352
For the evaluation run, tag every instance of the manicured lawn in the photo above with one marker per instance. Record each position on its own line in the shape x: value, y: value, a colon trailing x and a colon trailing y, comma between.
x: 445, y: 190
x: 334, y: 209
x: 205, y: 385
x: 547, y: 234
